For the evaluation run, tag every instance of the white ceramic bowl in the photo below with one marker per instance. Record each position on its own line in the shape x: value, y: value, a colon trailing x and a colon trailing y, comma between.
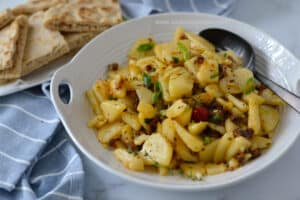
x: 112, y: 46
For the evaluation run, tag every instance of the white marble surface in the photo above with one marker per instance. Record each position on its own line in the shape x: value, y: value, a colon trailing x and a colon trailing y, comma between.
x: 279, y: 18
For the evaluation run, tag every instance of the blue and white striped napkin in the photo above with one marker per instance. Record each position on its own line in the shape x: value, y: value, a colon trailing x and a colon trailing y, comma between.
x: 36, y: 160
x: 140, y: 8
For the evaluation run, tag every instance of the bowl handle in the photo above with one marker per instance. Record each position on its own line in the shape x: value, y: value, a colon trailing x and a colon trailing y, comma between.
x: 61, y: 78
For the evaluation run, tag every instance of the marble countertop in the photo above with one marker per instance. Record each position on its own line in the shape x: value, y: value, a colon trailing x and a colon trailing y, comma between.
x: 279, y: 18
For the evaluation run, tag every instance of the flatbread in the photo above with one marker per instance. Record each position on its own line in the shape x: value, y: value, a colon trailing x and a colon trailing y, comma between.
x: 78, y: 40
x: 35, y: 6
x: 18, y: 33
x: 84, y: 16
x: 43, y: 45
x: 6, y: 16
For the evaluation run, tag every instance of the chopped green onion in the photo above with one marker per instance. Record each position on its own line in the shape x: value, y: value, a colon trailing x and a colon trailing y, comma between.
x: 225, y: 55
x: 145, y: 47
x: 249, y: 86
x: 175, y: 60
x: 157, y: 87
x: 147, y: 80
x: 206, y: 140
x: 214, y: 75
x: 157, y: 92
x: 216, y: 118
x: 183, y: 49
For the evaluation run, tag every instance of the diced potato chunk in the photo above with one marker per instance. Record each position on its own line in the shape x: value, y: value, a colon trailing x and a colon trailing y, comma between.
x: 222, y: 147
x: 254, y: 117
x: 208, y: 72
x: 230, y: 126
x: 180, y: 85
x: 144, y: 95
x: 214, y: 90
x: 168, y: 130
x: 93, y: 101
x: 132, y: 120
x: 157, y: 149
x: 97, y: 122
x: 197, y: 128
x: 101, y: 90
x: 269, y: 118
x: 126, y: 134
x: 177, y: 108
x: 194, y: 171
x: 238, y: 103
x: 239, y: 144
x: 208, y: 152
x: 212, y: 169
x: 147, y: 109
x: 129, y: 160
x: 199, y: 42
x: 139, y: 140
x: 112, y: 109
x: 185, y: 117
x: 191, y: 141
x: 259, y: 142
x: 109, y: 132
x: 183, y: 152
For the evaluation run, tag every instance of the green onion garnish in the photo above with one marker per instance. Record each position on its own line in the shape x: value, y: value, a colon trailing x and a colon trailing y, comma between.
x: 147, y: 80
x: 145, y: 47
x: 184, y: 50
x: 249, y: 86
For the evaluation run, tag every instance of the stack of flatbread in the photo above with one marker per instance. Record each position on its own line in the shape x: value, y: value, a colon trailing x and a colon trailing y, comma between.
x: 37, y: 32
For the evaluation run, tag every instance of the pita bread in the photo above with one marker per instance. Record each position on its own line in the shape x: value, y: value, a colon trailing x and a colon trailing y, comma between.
x: 43, y: 45
x: 78, y: 40
x: 35, y: 6
x: 6, y: 16
x: 84, y: 16
x: 17, y: 39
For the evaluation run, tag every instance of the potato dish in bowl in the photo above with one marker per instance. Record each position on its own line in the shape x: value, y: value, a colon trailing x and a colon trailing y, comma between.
x: 183, y: 107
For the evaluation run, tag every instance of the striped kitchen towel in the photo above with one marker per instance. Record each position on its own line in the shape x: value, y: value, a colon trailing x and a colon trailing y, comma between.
x: 140, y: 8
x: 36, y: 160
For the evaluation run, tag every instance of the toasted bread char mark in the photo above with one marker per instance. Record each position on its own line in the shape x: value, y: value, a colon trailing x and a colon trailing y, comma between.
x: 83, y: 16
x: 43, y: 45
x: 15, y: 71
x: 6, y: 16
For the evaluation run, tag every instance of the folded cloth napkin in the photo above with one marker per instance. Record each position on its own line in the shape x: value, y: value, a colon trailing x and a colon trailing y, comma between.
x: 36, y: 160
x: 140, y: 8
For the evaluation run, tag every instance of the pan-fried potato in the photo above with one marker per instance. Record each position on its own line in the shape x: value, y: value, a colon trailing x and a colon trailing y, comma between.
x: 132, y: 120
x: 109, y: 132
x: 197, y: 128
x: 208, y: 152
x: 157, y: 149
x: 129, y: 160
x: 177, y: 108
x: 194, y: 171
x: 181, y: 105
x: 183, y: 152
x: 112, y: 109
x: 168, y: 130
x: 191, y: 141
x: 239, y: 144
x: 269, y: 118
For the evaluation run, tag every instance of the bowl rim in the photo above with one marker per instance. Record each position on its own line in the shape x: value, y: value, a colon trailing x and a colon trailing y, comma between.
x: 157, y: 185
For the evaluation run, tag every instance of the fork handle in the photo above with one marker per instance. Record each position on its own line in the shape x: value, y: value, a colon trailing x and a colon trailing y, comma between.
x: 290, y: 98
